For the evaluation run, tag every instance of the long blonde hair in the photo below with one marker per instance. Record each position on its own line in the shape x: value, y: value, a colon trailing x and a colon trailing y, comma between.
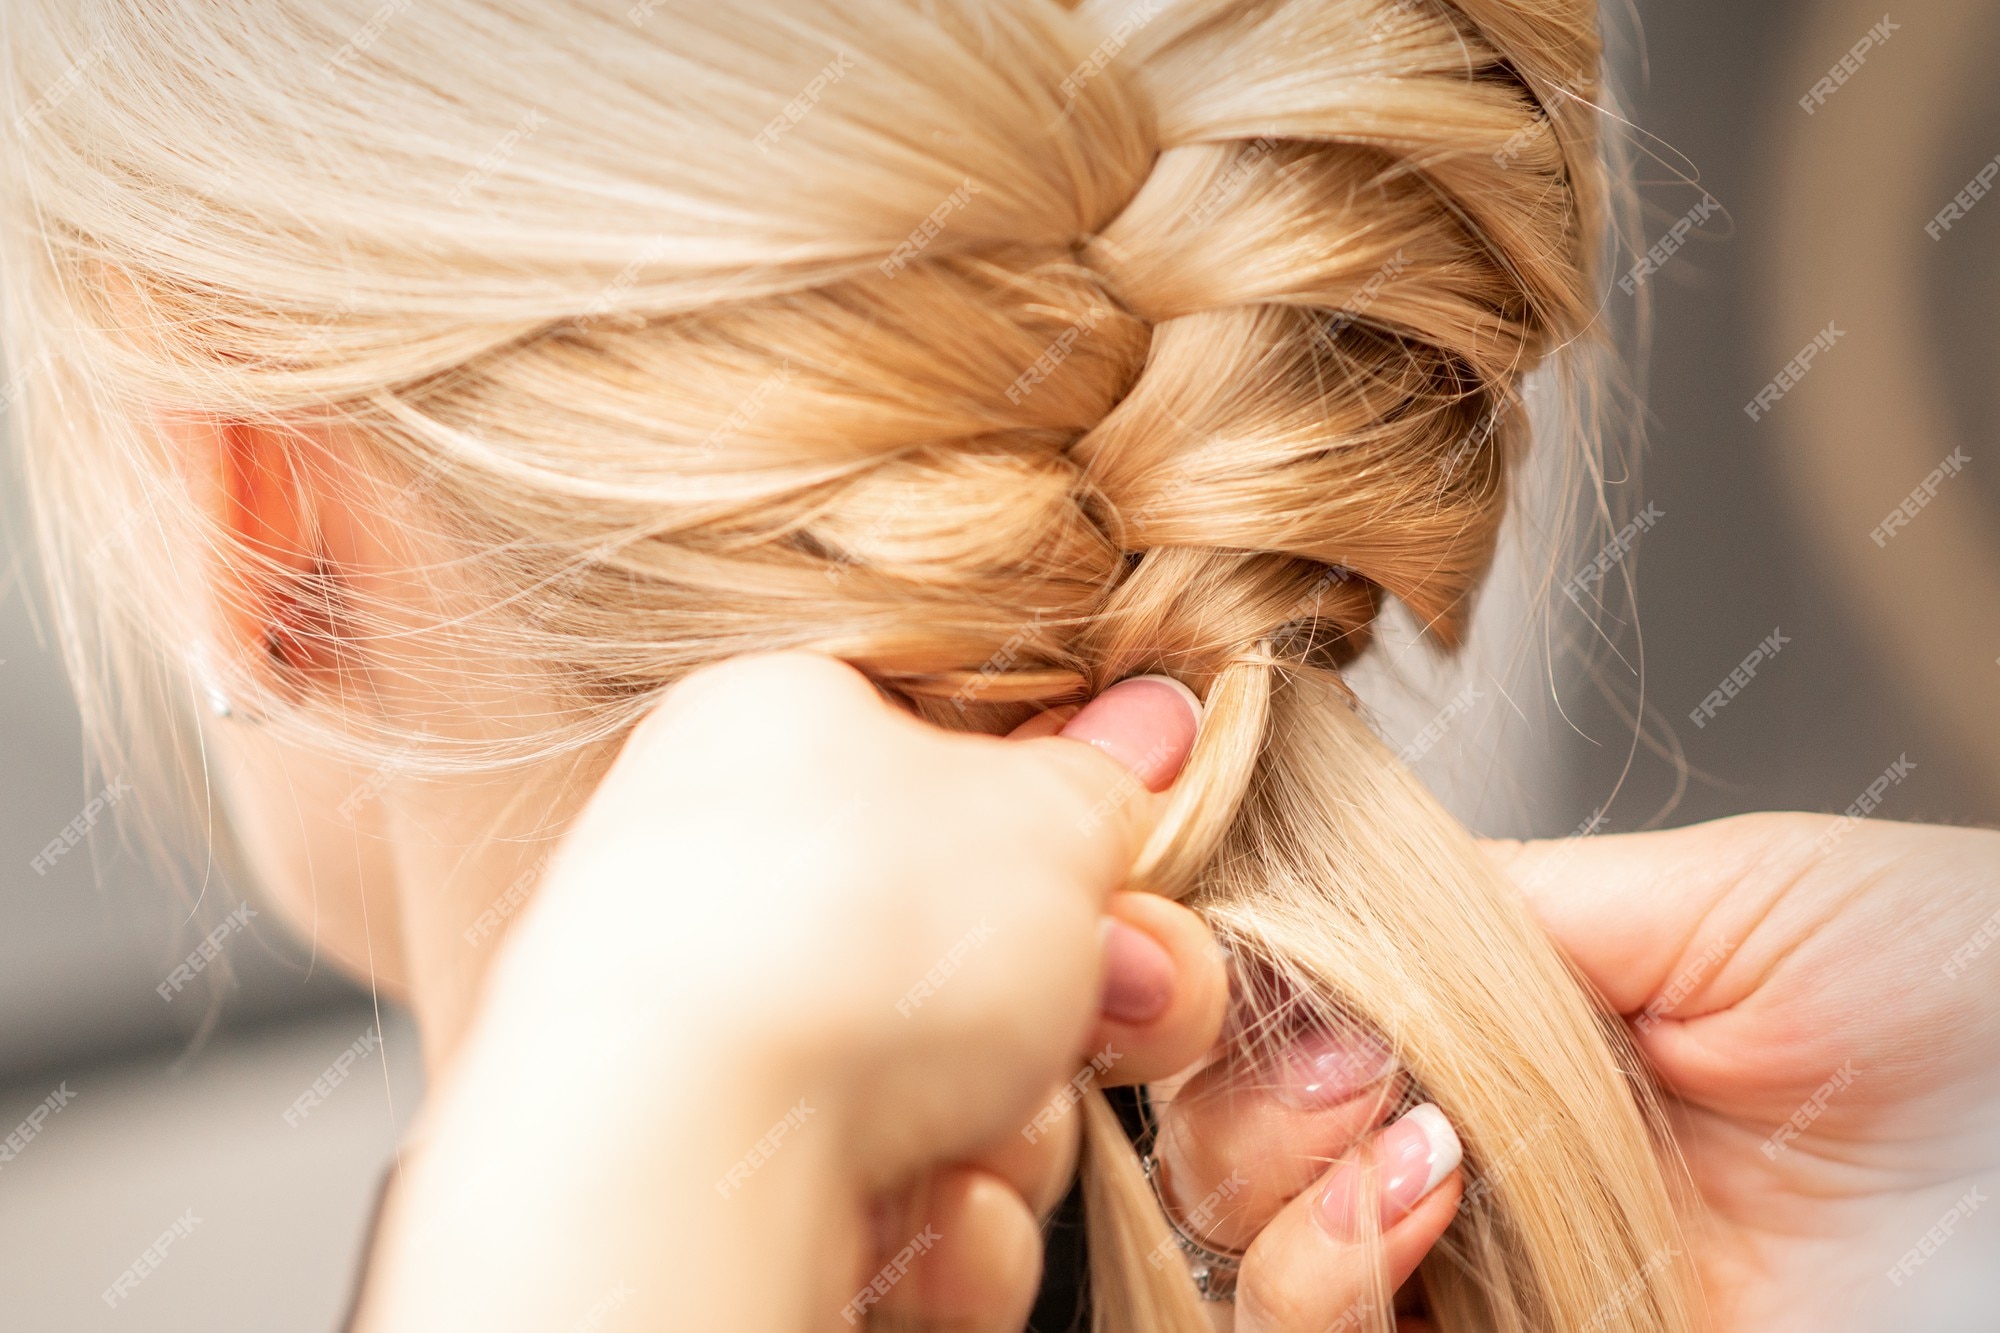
x: 1000, y: 349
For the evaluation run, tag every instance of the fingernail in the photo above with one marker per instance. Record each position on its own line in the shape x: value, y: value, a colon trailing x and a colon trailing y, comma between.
x: 1138, y: 974
x: 1411, y: 1157
x: 1146, y: 723
x: 1327, y: 1068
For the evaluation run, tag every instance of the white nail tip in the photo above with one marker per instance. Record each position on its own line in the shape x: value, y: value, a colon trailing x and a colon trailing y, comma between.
x: 1193, y: 699
x: 1446, y: 1151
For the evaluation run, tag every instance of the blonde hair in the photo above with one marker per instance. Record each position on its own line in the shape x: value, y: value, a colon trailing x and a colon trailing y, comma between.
x: 999, y: 349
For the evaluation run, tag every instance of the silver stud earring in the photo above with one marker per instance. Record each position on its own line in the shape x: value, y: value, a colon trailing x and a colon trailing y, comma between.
x: 201, y: 668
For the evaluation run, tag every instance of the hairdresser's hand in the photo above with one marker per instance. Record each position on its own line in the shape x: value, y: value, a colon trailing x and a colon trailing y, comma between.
x: 1820, y: 999
x: 1165, y: 992
x: 801, y: 955
x: 1264, y: 1157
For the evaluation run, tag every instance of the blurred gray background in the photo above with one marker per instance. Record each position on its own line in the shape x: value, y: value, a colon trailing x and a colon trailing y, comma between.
x: 166, y: 1106
x: 1893, y: 653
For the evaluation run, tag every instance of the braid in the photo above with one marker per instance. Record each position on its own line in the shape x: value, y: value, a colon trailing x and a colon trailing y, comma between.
x: 1001, y: 349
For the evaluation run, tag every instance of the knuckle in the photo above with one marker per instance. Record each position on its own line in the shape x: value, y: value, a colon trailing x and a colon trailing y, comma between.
x: 767, y: 718
x: 1270, y: 1298
x: 1039, y: 1160
x: 786, y: 686
x: 1282, y: 1289
x: 1776, y: 842
x: 1775, y: 828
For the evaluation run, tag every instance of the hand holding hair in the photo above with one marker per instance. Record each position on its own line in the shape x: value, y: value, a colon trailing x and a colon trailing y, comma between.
x: 895, y: 965
x: 1224, y: 347
x: 1826, y: 1129
x: 1275, y: 1158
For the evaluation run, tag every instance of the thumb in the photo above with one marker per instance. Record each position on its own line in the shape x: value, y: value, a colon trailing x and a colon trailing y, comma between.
x: 1146, y: 727
x: 1146, y: 723
x: 1633, y: 910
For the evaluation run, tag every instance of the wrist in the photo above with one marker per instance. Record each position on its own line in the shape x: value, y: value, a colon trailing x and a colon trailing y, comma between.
x: 617, y: 1172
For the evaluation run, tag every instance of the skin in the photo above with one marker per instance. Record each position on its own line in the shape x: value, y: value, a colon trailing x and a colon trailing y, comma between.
x: 915, y: 1116
x: 384, y: 873
x: 1751, y: 955
x: 1757, y: 958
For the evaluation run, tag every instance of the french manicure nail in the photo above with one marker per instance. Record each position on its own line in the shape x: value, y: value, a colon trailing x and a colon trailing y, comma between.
x: 1146, y: 723
x: 1138, y: 974
x: 1411, y: 1157
x: 1324, y: 1069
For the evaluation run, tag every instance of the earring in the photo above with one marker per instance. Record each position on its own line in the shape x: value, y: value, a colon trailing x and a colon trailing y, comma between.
x: 201, y: 669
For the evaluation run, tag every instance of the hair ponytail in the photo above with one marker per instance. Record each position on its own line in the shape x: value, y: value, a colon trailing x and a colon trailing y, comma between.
x: 1000, y: 349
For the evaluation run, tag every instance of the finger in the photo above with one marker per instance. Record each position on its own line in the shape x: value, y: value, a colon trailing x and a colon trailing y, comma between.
x: 1146, y: 728
x: 1165, y: 955
x: 1166, y: 993
x: 960, y: 1251
x: 1240, y: 1140
x: 1039, y: 1160
x: 1308, y: 1272
x: 1166, y: 989
x: 1165, y: 982
x: 1633, y: 909
x: 1045, y: 723
x: 1146, y: 723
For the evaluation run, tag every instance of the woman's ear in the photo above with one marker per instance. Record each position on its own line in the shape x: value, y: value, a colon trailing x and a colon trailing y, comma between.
x: 265, y: 573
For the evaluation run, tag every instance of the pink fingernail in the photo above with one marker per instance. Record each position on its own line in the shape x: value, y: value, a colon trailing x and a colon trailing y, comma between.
x: 1327, y: 1068
x: 1146, y: 723
x: 1411, y: 1157
x: 1138, y: 974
